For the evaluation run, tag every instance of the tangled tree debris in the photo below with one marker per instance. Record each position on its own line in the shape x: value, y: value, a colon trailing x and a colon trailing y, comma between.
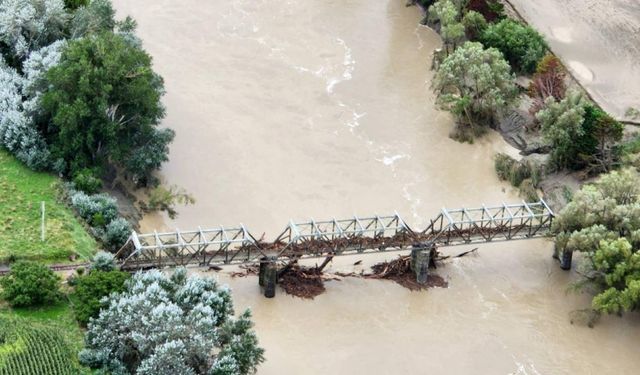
x: 399, y: 270
x: 308, y: 282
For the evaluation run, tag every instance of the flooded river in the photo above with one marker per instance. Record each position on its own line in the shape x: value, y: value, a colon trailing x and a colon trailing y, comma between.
x: 298, y: 109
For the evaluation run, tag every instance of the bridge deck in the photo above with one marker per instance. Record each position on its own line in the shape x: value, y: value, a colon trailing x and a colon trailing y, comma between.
x: 337, y: 237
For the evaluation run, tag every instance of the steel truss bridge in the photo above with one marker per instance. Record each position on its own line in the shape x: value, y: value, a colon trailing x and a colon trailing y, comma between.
x: 356, y: 235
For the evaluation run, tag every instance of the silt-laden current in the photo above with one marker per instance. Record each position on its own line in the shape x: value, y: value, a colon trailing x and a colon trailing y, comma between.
x: 322, y: 108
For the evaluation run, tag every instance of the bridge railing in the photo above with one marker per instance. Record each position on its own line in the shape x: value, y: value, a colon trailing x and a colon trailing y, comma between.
x: 485, y: 224
x: 338, y: 237
x: 354, y: 235
x: 204, y: 246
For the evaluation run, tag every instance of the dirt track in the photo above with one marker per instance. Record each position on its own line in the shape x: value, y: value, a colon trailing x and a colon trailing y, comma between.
x: 599, y: 40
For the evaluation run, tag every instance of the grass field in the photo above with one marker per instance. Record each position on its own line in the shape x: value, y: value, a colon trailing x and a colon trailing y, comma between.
x: 39, y: 341
x: 21, y: 191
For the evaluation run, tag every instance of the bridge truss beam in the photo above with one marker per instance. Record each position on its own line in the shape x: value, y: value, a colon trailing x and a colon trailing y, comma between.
x: 337, y: 237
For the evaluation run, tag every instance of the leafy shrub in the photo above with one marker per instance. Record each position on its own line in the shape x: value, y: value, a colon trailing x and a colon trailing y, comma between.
x: 528, y: 190
x: 521, y: 45
x: 474, y: 24
x: 97, y: 209
x: 602, y: 223
x: 561, y: 124
x: 91, y: 288
x: 103, y: 261
x: 547, y: 81
x: 30, y: 284
x: 97, y: 17
x: 163, y: 199
x: 160, y: 339
x: 116, y: 234
x: 87, y: 181
x: 491, y: 10
x: 516, y: 172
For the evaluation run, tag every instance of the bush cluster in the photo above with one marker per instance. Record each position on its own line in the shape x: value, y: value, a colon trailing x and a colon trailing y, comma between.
x: 30, y: 284
x: 602, y: 223
x: 491, y: 10
x: 521, y: 174
x: 581, y: 134
x: 100, y: 211
x: 521, y: 45
x: 91, y: 288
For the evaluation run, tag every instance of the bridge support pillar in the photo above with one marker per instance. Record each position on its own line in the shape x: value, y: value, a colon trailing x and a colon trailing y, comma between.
x: 269, y: 277
x: 420, y: 258
x: 262, y: 270
x: 565, y: 259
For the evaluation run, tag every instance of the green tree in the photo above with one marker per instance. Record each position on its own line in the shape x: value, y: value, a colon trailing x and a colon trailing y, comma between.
x: 602, y: 132
x: 603, y: 223
x: 474, y: 24
x: 451, y: 29
x: 561, y: 124
x: 521, y: 45
x: 104, y: 105
x: 30, y: 284
x: 91, y: 288
x: 475, y: 84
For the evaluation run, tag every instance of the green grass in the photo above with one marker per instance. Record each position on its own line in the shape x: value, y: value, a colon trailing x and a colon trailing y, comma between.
x: 40, y: 341
x: 21, y: 191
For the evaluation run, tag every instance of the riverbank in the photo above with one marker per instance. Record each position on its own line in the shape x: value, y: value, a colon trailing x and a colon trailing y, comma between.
x: 608, y: 69
x: 22, y: 192
x: 517, y: 126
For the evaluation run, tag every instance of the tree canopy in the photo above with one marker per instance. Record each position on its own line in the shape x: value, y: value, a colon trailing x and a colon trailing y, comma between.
x: 475, y: 83
x: 603, y: 223
x: 171, y: 325
x: 520, y: 44
x: 580, y: 134
x: 104, y: 105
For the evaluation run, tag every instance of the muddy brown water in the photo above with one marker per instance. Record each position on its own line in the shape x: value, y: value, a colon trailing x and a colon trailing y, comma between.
x: 298, y: 109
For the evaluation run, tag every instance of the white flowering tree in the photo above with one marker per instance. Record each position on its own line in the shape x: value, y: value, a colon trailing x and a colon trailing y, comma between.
x: 34, y: 71
x: 17, y: 131
x: 171, y: 325
x: 28, y: 25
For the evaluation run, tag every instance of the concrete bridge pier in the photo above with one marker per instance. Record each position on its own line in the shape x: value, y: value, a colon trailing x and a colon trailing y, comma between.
x: 420, y: 258
x: 268, y: 275
x: 565, y: 259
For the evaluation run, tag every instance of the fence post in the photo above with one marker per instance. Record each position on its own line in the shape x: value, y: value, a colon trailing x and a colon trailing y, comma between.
x: 42, y: 226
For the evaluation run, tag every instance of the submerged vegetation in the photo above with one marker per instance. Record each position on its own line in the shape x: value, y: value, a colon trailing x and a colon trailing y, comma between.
x: 475, y: 84
x: 474, y: 81
x: 603, y: 224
